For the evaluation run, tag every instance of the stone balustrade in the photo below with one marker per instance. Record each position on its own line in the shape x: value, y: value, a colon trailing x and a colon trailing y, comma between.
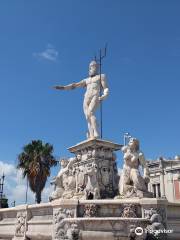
x: 86, y: 219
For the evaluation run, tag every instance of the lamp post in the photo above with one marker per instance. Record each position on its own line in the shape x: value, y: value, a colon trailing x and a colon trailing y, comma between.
x: 1, y: 189
x: 127, y: 136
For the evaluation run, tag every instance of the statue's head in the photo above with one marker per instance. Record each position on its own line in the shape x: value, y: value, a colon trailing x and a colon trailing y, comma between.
x: 78, y: 156
x: 134, y: 144
x: 93, y: 68
x: 63, y: 162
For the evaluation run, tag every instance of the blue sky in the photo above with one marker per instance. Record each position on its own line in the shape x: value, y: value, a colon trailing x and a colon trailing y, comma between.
x: 44, y: 43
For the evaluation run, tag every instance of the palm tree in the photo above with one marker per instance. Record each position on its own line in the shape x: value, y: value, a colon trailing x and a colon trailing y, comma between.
x: 35, y: 162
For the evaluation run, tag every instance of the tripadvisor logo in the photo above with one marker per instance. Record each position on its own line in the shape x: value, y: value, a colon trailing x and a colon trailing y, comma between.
x: 139, y: 231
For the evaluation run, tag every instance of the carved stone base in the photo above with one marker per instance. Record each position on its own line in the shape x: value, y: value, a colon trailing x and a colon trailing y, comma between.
x: 110, y: 219
x: 106, y: 219
x: 95, y: 172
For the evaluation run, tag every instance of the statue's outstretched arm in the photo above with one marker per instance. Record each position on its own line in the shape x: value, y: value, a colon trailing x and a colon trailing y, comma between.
x: 105, y: 87
x: 71, y: 86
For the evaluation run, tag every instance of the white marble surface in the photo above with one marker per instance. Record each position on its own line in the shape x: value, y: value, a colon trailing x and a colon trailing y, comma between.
x: 95, y: 84
x: 40, y: 218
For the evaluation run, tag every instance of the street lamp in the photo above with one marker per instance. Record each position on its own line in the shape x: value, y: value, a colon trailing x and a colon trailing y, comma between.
x: 127, y: 136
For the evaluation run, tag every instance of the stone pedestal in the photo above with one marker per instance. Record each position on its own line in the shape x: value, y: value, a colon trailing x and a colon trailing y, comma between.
x: 107, y: 219
x: 95, y: 171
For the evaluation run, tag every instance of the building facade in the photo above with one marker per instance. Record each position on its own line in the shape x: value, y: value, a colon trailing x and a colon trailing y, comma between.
x: 165, y: 178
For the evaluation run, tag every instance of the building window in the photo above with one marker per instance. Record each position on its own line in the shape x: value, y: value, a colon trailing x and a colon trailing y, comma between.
x: 154, y: 190
x: 159, y: 190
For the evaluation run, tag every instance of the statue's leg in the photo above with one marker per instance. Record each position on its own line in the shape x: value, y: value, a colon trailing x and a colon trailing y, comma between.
x: 91, y: 113
x: 85, y: 108
x: 94, y: 125
x: 90, y: 132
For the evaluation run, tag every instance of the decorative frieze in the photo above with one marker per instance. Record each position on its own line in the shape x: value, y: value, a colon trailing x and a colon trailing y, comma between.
x: 62, y: 229
x: 91, y: 210
x: 129, y: 211
x: 20, y: 227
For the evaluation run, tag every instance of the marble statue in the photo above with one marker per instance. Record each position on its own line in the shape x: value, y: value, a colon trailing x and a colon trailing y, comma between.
x: 92, y: 97
x: 92, y: 187
x: 65, y: 181
x: 87, y: 186
x: 132, y: 184
x: 58, y: 181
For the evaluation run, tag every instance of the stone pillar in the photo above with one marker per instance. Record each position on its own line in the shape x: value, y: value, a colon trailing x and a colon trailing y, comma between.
x: 149, y: 187
x: 157, y: 195
x: 162, y: 183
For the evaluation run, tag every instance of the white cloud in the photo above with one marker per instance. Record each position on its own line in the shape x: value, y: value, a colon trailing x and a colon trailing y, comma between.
x: 7, y: 169
x: 50, y: 54
x: 19, y: 194
x: 15, y: 186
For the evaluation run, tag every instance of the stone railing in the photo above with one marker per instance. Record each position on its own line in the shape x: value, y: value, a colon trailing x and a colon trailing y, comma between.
x: 87, y: 219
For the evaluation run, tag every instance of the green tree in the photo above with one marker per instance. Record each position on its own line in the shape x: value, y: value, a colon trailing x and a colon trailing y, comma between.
x: 35, y: 162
